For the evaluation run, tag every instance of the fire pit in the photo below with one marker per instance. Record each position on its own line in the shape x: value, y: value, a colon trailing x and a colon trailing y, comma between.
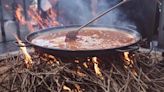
x: 100, y: 74
x: 102, y: 58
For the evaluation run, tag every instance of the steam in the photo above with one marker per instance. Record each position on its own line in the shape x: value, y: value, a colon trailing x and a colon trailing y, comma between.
x: 74, y: 11
x: 81, y: 11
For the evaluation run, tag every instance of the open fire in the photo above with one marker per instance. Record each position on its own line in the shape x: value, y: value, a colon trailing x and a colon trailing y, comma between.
x: 100, y: 74
x: 116, y: 72
x: 36, y: 19
x: 49, y: 19
x: 27, y: 57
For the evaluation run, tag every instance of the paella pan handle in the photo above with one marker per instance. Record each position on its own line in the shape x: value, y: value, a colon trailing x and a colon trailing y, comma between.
x: 19, y: 45
x: 128, y: 49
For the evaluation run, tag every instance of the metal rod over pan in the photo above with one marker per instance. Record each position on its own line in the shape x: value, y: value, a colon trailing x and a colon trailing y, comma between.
x: 73, y: 34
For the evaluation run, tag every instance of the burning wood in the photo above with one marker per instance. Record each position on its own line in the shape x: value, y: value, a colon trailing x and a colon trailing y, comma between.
x: 50, y: 75
x: 19, y: 16
x: 36, y: 18
x: 65, y: 88
x: 127, y: 59
x: 76, y: 89
x: 129, y: 63
x: 51, y: 59
x: 27, y: 57
x: 47, y: 78
x: 96, y: 67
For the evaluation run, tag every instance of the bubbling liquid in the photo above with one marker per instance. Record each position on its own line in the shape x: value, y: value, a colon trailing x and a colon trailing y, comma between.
x: 89, y: 39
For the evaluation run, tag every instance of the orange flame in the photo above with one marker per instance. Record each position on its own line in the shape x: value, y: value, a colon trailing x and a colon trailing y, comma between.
x: 127, y: 59
x: 77, y: 88
x: 18, y: 14
x: 36, y: 18
x: 50, y: 19
x: 129, y: 63
x: 27, y: 57
x: 96, y: 67
x: 65, y: 88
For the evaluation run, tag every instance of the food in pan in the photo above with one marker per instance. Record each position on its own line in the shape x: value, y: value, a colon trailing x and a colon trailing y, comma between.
x: 87, y: 39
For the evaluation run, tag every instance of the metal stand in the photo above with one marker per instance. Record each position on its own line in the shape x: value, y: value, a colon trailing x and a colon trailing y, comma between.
x: 14, y: 18
x: 2, y: 22
x: 25, y: 9
x: 161, y: 27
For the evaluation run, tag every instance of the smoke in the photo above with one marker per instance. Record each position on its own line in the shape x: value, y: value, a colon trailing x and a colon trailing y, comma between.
x: 81, y: 11
x: 74, y: 11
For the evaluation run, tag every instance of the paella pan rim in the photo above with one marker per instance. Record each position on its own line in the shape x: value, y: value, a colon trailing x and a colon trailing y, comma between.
x: 32, y: 35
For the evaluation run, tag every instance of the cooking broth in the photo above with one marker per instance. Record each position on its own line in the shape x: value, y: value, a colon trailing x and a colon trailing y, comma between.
x: 87, y: 39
